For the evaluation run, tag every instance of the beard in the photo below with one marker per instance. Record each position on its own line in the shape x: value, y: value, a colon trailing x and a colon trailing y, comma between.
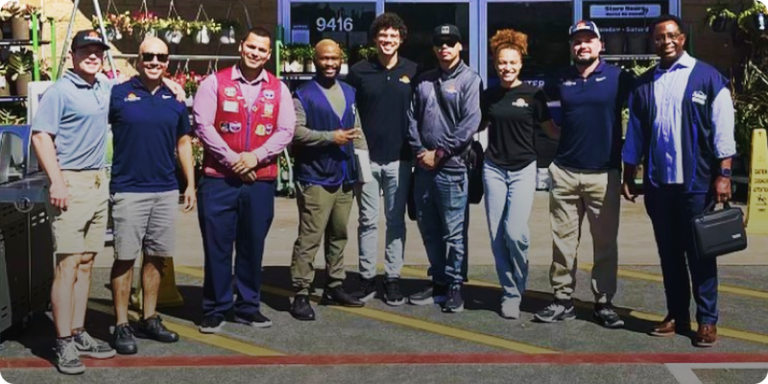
x: 585, y: 61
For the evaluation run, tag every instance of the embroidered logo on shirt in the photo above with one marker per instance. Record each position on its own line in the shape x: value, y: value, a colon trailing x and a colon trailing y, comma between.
x: 261, y: 130
x: 132, y: 97
x: 699, y: 97
x: 405, y: 80
x: 451, y: 89
x: 268, y: 110
x: 520, y: 103
x: 230, y: 91
x: 569, y: 83
x: 269, y: 128
x: 269, y: 94
x: 599, y: 79
x: 231, y: 127
x: 166, y: 97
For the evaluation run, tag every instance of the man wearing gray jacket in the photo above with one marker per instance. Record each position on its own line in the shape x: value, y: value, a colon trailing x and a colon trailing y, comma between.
x: 444, y: 114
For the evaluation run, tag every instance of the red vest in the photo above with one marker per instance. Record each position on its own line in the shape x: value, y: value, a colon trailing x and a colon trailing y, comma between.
x: 244, y: 129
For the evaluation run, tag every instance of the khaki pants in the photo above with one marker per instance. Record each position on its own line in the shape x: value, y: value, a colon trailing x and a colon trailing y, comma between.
x: 323, y: 211
x: 575, y: 193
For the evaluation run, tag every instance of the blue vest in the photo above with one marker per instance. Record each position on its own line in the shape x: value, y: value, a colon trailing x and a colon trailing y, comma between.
x: 698, y: 145
x: 329, y: 165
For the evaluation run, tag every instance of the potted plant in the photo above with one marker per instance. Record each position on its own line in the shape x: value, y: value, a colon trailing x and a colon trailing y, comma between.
x: 20, y: 20
x: 144, y: 24
x: 344, y: 61
x: 229, y: 29
x: 5, y: 88
x: 285, y: 57
x: 20, y: 68
x: 297, y: 54
x: 173, y: 29
x: 719, y: 17
x: 6, y: 13
x: 202, y: 30
x: 309, y: 58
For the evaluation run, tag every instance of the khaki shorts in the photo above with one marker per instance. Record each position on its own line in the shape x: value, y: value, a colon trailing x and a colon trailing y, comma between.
x: 144, y: 221
x: 81, y: 228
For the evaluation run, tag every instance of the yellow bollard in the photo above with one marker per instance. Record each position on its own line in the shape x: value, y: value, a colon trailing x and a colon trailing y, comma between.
x: 168, y: 295
x: 757, y: 210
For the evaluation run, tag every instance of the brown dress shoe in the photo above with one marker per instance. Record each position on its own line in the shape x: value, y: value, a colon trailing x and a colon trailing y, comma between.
x: 668, y: 328
x: 706, y: 336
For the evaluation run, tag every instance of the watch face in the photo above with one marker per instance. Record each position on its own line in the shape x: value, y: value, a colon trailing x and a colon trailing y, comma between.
x: 725, y: 172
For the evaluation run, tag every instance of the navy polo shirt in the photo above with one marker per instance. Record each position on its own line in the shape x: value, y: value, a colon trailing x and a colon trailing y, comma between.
x: 591, y: 117
x: 146, y: 128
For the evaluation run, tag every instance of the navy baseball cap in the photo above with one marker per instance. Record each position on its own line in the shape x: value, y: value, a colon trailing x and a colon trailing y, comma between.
x: 584, y: 25
x: 88, y: 37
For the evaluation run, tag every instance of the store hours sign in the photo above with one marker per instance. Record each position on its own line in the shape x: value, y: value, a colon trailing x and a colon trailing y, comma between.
x: 623, y: 11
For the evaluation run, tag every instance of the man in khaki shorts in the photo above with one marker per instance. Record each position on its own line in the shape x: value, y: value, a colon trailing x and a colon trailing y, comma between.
x: 149, y: 126
x: 70, y: 139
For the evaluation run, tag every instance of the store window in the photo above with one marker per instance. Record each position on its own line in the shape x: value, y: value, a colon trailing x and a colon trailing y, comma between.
x: 421, y: 19
x: 548, y: 47
x: 346, y: 23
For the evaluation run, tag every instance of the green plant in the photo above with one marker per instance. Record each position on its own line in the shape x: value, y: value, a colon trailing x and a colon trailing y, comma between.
x: 720, y: 10
x: 751, y: 103
x: 20, y: 63
x: 366, y: 52
x: 7, y: 117
x: 173, y: 24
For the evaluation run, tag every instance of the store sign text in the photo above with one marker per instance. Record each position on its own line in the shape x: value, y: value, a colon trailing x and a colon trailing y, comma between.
x: 339, y: 24
x: 625, y: 11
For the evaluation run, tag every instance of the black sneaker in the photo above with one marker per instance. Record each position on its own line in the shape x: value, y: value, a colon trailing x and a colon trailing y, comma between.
x: 558, y: 310
x: 606, y: 316
x: 154, y: 329
x: 392, y: 295
x: 301, y: 309
x: 255, y: 319
x: 87, y: 346
x: 454, y: 303
x: 433, y: 294
x: 67, y: 360
x: 337, y: 296
x: 122, y: 340
x: 212, y: 324
x: 366, y: 289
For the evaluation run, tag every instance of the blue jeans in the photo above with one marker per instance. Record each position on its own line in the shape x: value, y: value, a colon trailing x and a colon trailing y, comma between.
x: 441, y: 203
x: 671, y: 210
x: 394, y: 180
x: 508, y: 204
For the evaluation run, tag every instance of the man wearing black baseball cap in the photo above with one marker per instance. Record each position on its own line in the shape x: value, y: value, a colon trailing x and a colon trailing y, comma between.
x: 88, y: 37
x: 585, y: 174
x: 444, y: 115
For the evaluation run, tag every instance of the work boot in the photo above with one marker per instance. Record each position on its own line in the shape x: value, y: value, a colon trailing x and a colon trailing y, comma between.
x: 122, y: 340
x: 337, y: 296
x: 302, y: 309
x: 154, y: 329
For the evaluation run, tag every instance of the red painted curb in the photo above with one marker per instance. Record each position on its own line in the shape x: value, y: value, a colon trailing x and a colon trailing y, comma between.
x: 414, y: 359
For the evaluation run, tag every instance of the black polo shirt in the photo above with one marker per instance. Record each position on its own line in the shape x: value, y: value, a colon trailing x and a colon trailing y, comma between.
x: 383, y: 99
x: 591, y: 117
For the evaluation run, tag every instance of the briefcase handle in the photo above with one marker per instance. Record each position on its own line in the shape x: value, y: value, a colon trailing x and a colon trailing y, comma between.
x: 713, y: 204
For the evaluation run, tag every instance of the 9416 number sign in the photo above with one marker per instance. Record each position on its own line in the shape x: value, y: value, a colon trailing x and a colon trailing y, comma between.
x: 339, y: 24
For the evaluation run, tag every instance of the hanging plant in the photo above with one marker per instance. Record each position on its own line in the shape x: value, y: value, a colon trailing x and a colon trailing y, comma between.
x: 719, y: 17
x: 173, y: 29
x: 144, y: 24
x: 229, y: 30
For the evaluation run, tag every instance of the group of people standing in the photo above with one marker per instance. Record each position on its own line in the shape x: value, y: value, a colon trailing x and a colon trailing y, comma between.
x: 417, y: 128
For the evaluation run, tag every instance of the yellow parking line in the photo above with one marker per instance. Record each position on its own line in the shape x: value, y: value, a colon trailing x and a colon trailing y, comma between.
x: 657, y: 278
x: 409, y: 322
x: 722, y: 331
x: 191, y: 333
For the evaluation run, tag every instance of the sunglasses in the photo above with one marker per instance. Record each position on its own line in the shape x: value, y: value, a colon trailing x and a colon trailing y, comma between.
x: 161, y: 57
x: 451, y: 42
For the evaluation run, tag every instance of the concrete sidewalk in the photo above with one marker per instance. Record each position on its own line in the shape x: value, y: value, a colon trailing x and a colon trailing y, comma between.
x: 636, y: 243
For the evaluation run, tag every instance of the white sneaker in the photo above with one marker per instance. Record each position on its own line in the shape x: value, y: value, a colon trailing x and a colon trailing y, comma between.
x: 510, y: 309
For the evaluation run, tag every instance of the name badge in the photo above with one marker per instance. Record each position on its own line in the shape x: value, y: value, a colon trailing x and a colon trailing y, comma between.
x: 231, y: 106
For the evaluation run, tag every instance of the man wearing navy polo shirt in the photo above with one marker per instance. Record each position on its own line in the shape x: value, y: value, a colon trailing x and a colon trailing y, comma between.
x: 585, y: 175
x: 149, y: 126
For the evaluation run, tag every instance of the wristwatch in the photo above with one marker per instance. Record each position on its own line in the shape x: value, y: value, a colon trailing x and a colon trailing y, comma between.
x: 725, y: 172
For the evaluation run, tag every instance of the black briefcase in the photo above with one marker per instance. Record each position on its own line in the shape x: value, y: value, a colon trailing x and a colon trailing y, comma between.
x: 718, y: 233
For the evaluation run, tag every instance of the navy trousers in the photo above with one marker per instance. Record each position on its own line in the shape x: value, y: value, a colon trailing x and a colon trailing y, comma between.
x: 671, y: 210
x: 234, y: 215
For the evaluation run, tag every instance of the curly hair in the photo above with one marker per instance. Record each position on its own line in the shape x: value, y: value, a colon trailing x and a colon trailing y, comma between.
x: 509, y: 38
x: 388, y: 20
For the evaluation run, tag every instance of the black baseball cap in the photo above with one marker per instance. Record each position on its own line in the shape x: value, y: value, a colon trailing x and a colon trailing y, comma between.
x: 446, y: 32
x: 88, y: 37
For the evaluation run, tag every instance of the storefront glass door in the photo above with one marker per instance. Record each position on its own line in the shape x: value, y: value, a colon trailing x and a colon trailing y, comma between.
x: 546, y: 24
x: 422, y: 17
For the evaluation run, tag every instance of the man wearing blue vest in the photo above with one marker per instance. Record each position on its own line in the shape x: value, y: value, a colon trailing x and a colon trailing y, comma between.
x: 585, y: 175
x: 681, y: 127
x: 327, y: 133
x: 149, y: 126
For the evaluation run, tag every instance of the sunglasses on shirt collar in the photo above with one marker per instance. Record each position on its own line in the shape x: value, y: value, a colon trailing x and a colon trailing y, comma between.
x: 148, y: 56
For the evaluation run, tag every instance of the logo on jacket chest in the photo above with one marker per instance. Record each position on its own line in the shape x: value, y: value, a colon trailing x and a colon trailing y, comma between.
x: 269, y: 94
x: 269, y: 110
x: 230, y: 127
x: 263, y: 129
x: 230, y: 92
x: 699, y: 97
x: 520, y: 103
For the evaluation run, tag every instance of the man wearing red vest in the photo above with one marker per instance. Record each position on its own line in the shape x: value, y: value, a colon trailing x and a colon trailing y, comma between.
x: 244, y: 117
